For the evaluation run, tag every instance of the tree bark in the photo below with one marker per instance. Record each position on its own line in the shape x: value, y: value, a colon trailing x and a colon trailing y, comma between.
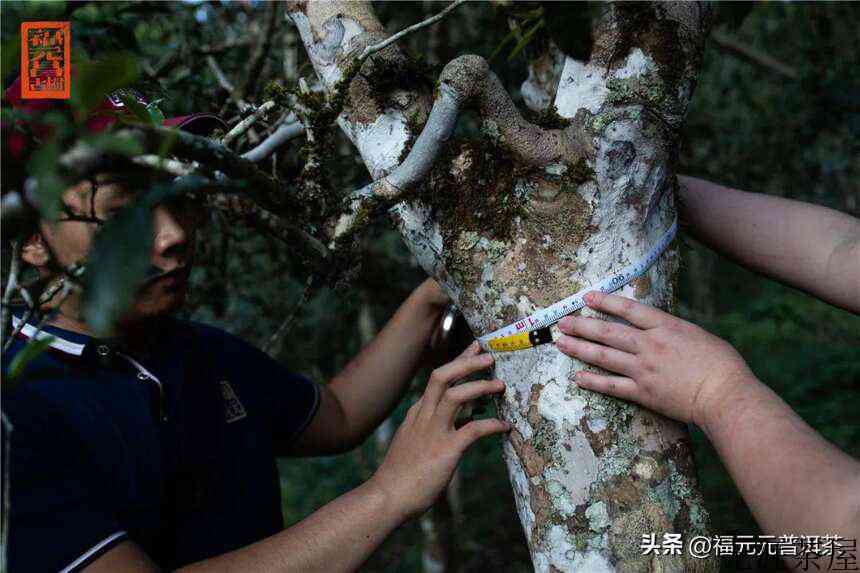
x: 529, y: 215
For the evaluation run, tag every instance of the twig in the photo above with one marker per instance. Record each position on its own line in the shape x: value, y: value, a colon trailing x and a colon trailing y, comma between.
x: 391, y: 39
x: 288, y: 321
x: 246, y: 123
x: 262, y: 50
x: 251, y: 213
x: 68, y: 287
x: 752, y: 55
x: 226, y: 84
x: 11, y: 285
x: 264, y: 189
x: 164, y: 164
x: 17, y: 330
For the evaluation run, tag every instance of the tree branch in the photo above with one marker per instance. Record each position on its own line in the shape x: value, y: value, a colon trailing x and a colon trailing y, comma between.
x: 272, y: 344
x: 752, y: 55
x: 246, y: 123
x: 369, y: 50
x: 463, y: 79
x: 226, y: 84
x: 258, y: 60
x: 11, y: 286
x: 285, y: 132
x: 248, y: 212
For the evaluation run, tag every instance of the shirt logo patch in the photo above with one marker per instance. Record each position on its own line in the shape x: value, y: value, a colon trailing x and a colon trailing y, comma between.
x: 234, y: 410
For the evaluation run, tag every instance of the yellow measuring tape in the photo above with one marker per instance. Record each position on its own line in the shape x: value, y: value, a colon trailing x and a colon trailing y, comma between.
x: 535, y: 328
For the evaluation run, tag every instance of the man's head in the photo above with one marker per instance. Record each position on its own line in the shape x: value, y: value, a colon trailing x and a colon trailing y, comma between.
x: 88, y: 205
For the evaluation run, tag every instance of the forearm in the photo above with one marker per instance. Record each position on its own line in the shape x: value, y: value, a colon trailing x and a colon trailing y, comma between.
x: 806, y: 246
x: 338, y: 537
x: 793, y: 480
x: 373, y: 382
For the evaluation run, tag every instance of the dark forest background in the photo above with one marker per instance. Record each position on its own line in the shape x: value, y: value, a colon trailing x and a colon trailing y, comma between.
x: 777, y: 110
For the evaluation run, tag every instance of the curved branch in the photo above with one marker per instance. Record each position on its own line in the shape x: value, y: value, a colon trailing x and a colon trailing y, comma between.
x: 471, y: 77
x: 464, y: 79
x: 282, y: 134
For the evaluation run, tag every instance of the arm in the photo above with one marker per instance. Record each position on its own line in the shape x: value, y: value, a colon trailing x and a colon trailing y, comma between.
x: 358, y: 399
x: 673, y: 367
x: 341, y: 536
x: 806, y: 246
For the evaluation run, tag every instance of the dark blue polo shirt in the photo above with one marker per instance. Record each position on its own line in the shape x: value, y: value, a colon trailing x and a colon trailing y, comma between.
x: 174, y: 450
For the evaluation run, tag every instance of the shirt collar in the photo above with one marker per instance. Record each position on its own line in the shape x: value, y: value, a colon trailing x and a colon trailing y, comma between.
x: 66, y: 341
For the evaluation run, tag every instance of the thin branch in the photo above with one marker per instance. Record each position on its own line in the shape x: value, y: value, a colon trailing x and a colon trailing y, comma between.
x: 391, y: 39
x: 17, y: 330
x: 11, y: 285
x: 164, y: 164
x: 752, y: 55
x: 282, y: 134
x: 240, y: 208
x: 309, y: 178
x: 288, y: 321
x: 262, y: 187
x: 258, y: 60
x: 246, y: 123
x: 226, y: 84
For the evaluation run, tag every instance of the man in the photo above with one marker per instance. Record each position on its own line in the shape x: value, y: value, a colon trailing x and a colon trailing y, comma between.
x: 794, y: 481
x: 157, y: 449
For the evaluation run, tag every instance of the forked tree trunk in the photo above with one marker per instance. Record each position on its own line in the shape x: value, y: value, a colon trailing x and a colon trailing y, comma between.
x: 529, y: 215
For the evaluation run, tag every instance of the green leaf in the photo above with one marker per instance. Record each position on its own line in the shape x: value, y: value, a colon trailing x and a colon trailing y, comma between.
x: 25, y: 356
x: 116, y: 266
x: 136, y: 107
x: 97, y: 79
x: 146, y: 113
x: 156, y: 117
x: 525, y: 39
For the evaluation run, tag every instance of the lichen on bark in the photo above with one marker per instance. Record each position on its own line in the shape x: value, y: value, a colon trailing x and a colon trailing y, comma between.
x: 531, y: 213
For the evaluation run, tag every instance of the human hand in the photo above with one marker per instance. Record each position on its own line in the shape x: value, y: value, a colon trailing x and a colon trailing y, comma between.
x: 427, y: 447
x: 664, y: 363
x: 431, y: 293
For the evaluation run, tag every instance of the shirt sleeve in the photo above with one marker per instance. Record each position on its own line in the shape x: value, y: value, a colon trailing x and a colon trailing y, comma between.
x: 56, y: 522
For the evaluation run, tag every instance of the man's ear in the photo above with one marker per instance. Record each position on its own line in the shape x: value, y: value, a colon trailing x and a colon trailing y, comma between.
x: 35, y: 251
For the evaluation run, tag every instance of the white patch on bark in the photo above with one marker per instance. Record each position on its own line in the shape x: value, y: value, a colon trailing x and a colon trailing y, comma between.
x: 381, y: 140
x: 581, y: 86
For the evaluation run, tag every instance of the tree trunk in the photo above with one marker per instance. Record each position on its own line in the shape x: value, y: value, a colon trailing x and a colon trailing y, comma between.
x: 527, y: 216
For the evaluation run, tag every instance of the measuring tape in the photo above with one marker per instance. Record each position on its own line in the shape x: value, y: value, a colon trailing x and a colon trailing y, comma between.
x: 535, y: 328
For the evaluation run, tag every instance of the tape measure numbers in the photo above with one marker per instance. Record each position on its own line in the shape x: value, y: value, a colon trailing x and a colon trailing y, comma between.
x: 535, y: 328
